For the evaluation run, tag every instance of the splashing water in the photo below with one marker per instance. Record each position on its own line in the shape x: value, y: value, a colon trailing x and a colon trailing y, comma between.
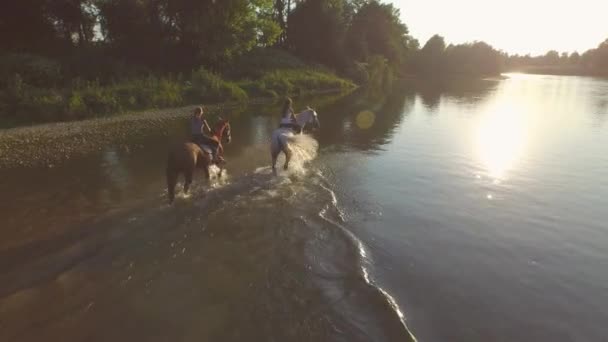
x: 304, y: 149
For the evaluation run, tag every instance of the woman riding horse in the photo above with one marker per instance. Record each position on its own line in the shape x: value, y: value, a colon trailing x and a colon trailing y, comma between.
x: 198, y: 125
x: 283, y: 136
x: 288, y: 117
x: 188, y: 156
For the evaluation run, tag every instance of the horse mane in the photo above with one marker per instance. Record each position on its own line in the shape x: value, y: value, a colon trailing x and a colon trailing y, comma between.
x: 219, y: 127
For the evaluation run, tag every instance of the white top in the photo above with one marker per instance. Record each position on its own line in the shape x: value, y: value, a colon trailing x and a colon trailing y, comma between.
x: 286, y: 120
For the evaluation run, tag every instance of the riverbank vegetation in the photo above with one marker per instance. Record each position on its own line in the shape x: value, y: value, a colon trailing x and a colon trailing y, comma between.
x: 73, y: 59
x: 593, y: 62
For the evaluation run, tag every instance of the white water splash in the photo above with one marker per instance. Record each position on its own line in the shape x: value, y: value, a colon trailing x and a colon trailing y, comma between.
x: 304, y: 148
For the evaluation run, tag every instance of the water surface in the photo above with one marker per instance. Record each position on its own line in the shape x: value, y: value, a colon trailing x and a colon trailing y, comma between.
x: 462, y: 211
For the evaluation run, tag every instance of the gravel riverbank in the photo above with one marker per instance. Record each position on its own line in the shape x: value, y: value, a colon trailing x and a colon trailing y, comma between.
x: 49, y: 144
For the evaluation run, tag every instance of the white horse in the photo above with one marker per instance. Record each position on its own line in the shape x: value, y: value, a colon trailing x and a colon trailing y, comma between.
x: 281, y: 137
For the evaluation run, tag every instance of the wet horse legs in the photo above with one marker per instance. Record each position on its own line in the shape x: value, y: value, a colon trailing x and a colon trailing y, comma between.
x: 288, y: 154
x: 187, y: 181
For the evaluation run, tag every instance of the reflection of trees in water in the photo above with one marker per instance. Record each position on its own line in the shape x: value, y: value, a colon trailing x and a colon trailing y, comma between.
x: 339, y: 119
x: 470, y: 91
x: 601, y: 110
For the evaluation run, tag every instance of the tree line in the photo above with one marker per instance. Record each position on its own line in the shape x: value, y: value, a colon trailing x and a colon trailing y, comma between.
x: 69, y: 59
x: 97, y: 38
x: 591, y: 62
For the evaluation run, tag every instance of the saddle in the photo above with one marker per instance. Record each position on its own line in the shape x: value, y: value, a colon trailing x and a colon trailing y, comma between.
x: 206, y: 148
x: 215, y: 158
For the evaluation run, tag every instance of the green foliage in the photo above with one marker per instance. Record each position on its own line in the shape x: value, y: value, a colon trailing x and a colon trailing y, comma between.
x: 259, y: 61
x: 591, y: 62
x: 207, y: 86
x: 293, y: 82
x: 317, y: 29
x: 469, y: 59
x: 377, y: 30
x: 378, y: 70
x: 473, y: 59
x: 32, y: 69
x: 26, y: 26
x: 192, y: 33
x: 23, y: 103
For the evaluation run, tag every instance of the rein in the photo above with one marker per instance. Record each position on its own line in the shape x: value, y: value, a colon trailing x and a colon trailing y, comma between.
x: 218, y: 131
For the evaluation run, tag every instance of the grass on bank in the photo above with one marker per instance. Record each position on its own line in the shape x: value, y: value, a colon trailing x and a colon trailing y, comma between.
x: 31, y: 92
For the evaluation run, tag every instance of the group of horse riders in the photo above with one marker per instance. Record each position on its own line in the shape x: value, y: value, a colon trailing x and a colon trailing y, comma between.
x: 205, y: 145
x: 201, y: 131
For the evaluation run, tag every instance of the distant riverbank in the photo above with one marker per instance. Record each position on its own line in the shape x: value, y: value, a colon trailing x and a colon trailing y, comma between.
x: 558, y: 70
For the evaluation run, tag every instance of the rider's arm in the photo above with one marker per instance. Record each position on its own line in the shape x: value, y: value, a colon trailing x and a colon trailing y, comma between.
x: 206, y: 126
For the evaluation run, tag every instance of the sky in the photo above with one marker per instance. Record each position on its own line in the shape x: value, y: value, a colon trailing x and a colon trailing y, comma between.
x: 514, y: 26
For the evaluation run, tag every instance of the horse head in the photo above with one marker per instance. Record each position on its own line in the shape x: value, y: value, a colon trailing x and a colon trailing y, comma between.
x: 222, y: 130
x: 308, y: 117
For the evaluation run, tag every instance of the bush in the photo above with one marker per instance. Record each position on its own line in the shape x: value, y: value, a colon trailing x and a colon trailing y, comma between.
x: 358, y: 72
x: 76, y: 107
x: 258, y: 62
x: 257, y: 89
x: 34, y: 70
x: 28, y: 99
x: 207, y: 86
x: 285, y: 82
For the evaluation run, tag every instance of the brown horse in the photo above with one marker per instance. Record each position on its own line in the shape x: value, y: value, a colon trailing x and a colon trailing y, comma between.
x: 188, y: 156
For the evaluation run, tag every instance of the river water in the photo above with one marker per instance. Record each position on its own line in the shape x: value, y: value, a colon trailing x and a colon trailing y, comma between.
x: 448, y: 211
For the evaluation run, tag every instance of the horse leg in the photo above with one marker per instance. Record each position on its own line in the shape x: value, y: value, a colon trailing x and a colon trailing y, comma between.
x: 206, y: 171
x: 288, y: 154
x: 171, y: 181
x: 274, y: 162
x: 187, y: 180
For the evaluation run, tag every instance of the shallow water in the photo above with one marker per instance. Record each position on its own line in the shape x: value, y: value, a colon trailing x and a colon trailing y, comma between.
x: 464, y: 211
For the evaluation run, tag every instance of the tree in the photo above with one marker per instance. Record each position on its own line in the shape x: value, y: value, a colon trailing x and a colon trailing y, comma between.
x: 187, y: 32
x: 316, y: 30
x: 574, y: 58
x: 599, y: 60
x: 25, y: 26
x: 73, y: 19
x: 476, y: 58
x: 551, y: 58
x: 377, y: 30
x: 431, y: 58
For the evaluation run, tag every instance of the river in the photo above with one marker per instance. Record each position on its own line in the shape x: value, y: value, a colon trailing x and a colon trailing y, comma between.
x: 445, y: 210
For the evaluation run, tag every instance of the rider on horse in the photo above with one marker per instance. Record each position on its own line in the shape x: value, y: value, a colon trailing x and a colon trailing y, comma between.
x: 198, y: 125
x: 288, y: 118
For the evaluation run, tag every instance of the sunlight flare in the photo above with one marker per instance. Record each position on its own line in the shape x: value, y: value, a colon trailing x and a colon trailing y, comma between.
x: 500, y: 139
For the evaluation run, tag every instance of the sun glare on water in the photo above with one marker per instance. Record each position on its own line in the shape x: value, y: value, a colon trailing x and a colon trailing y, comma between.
x: 500, y: 139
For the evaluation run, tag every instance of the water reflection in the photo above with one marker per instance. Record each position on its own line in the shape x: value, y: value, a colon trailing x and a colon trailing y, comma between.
x: 363, y: 120
x: 500, y: 139
x: 433, y: 91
